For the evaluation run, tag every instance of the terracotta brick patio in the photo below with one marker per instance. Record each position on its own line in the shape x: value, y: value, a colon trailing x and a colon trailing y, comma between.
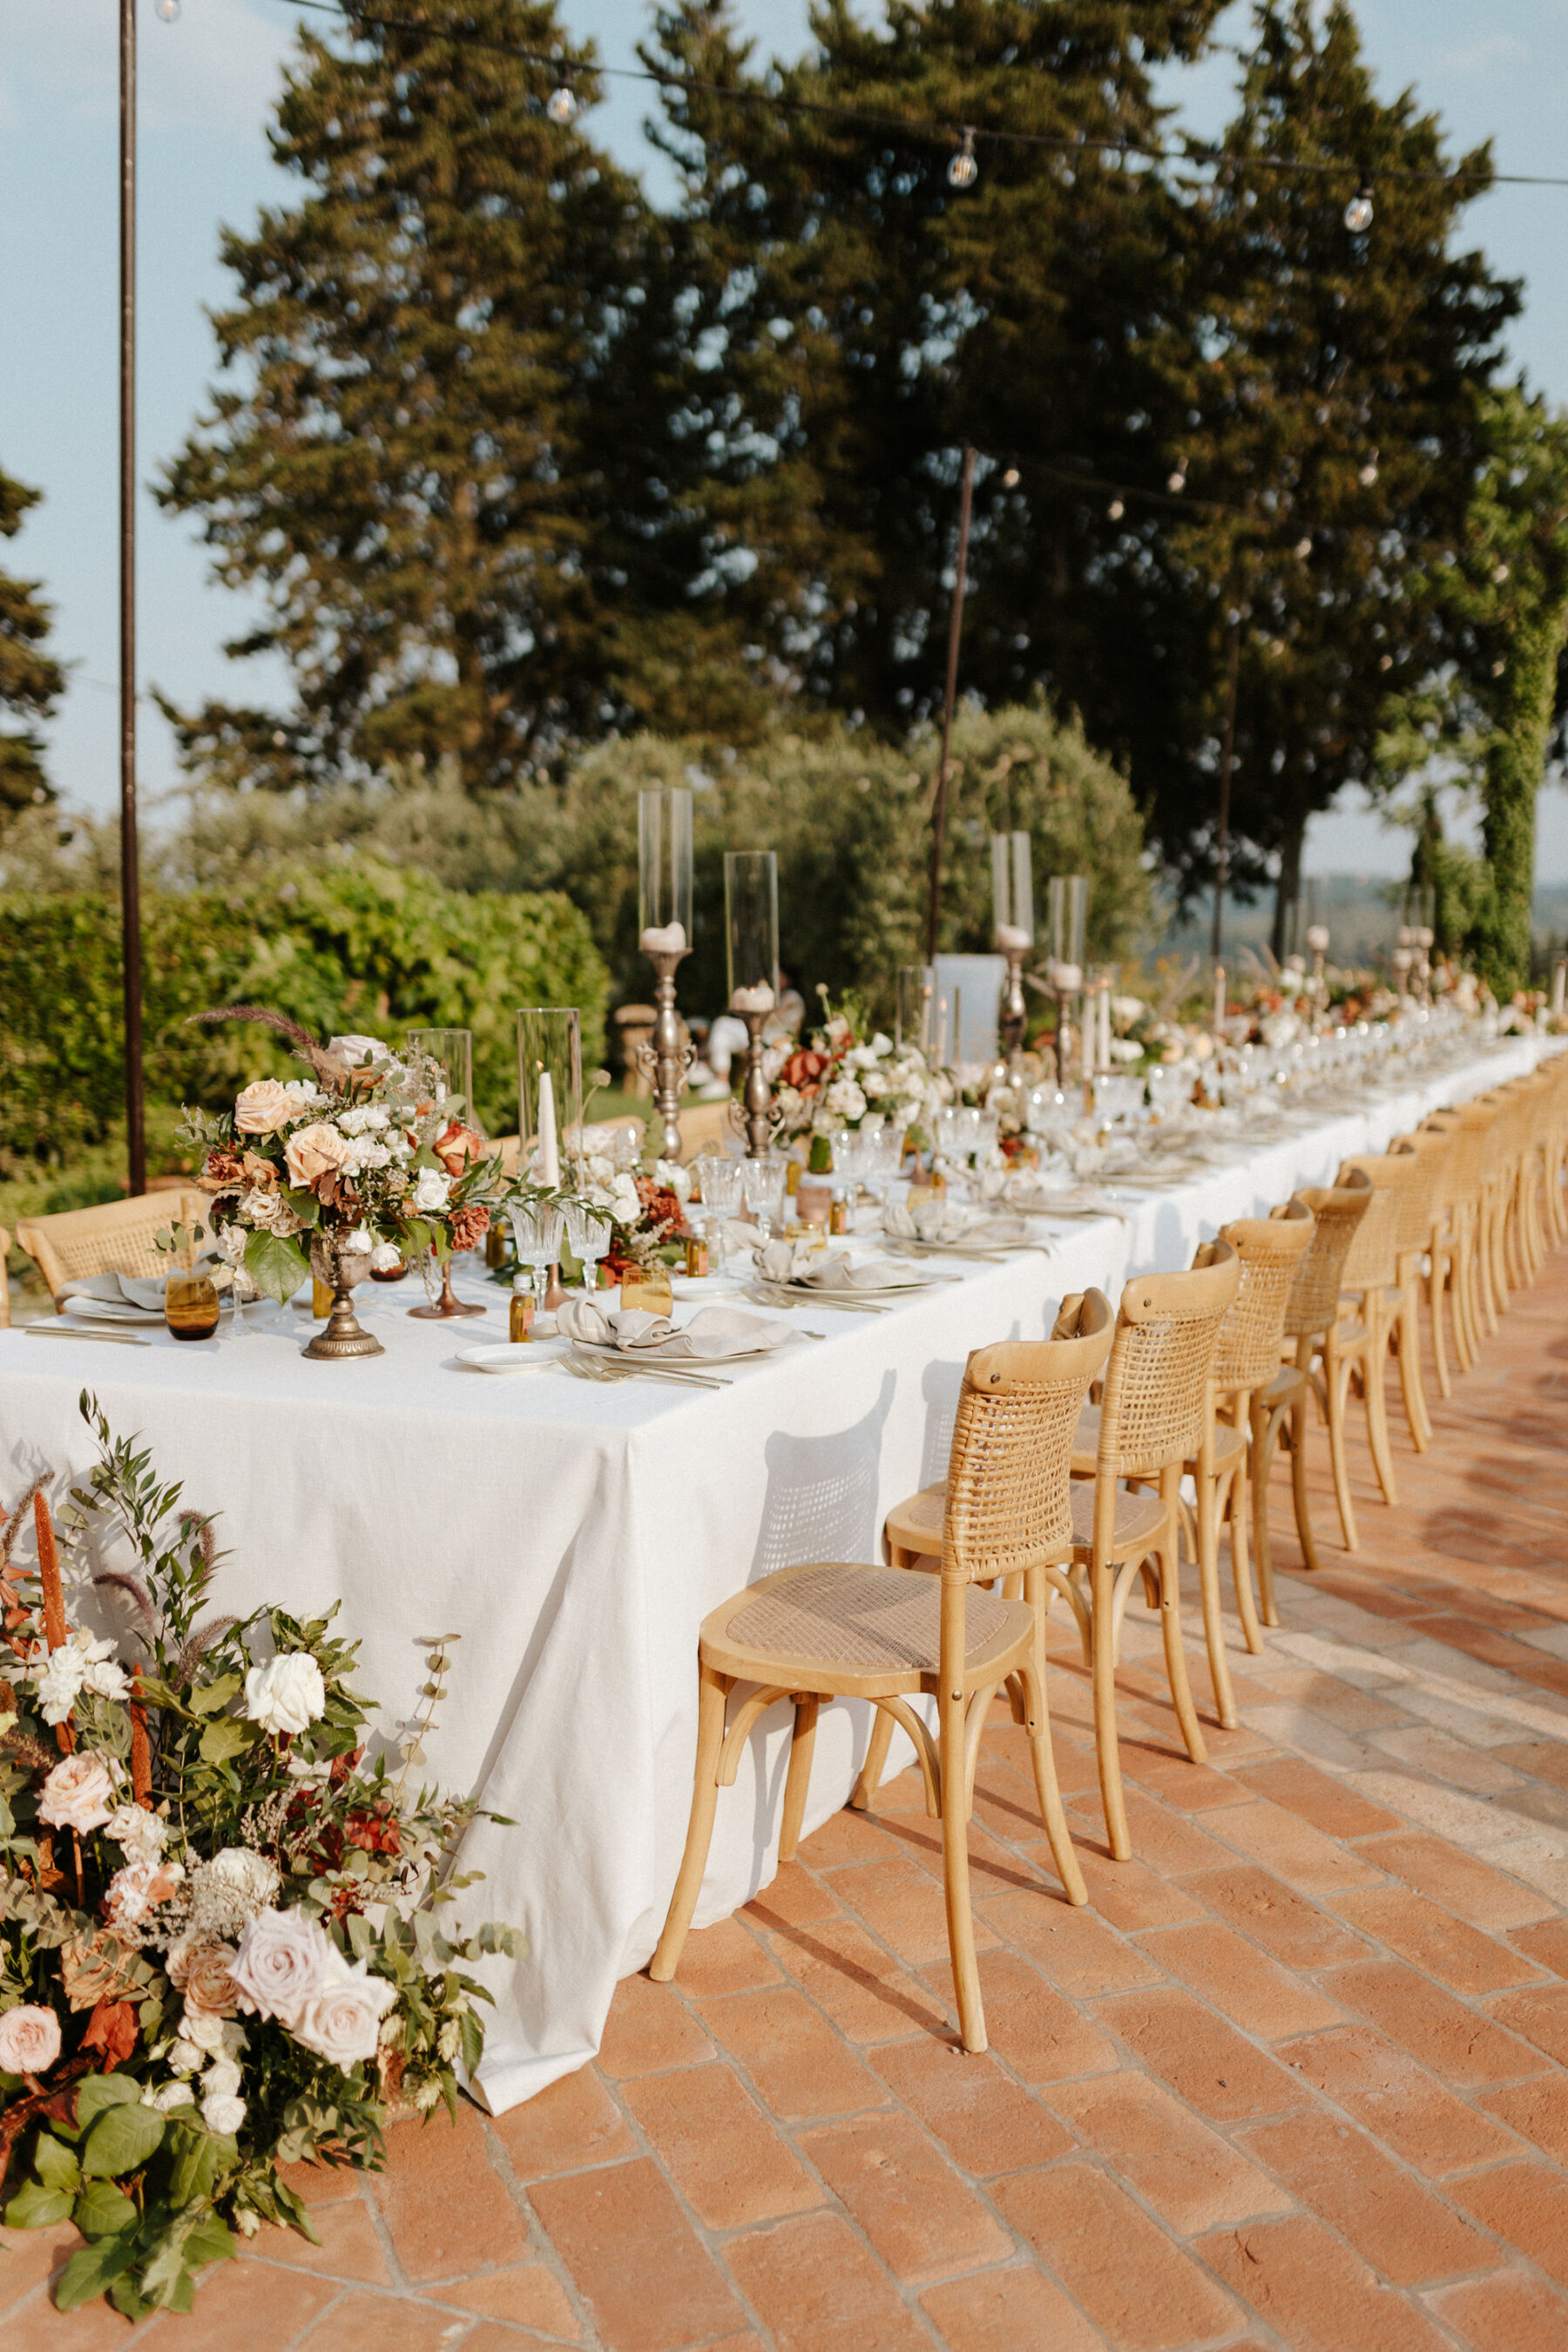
x: 1295, y: 2079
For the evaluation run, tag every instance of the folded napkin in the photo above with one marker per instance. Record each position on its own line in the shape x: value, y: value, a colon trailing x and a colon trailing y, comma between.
x: 834, y: 1270
x: 713, y: 1334
x: 132, y: 1294
x: 939, y: 1221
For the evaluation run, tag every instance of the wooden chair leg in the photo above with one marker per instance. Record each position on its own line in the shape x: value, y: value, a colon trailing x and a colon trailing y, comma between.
x: 713, y: 1692
x: 1240, y: 1567
x: 1107, y: 1755
x: 1437, y: 1284
x: 1208, y: 1592
x: 1407, y: 1322
x: 1263, y: 1428
x: 1298, y: 1492
x: 797, y: 1786
x: 1037, y: 1724
x: 864, y: 1794
x: 1373, y: 1367
x: 1336, y: 1390
x: 1176, y: 1657
x: 955, y: 1872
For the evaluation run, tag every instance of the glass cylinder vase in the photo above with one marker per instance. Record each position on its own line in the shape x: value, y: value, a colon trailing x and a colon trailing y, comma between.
x: 664, y: 869
x: 452, y: 1051
x: 548, y: 1089
x: 752, y: 929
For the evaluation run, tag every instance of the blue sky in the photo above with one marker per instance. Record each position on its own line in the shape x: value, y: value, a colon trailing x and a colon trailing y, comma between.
x: 207, y: 82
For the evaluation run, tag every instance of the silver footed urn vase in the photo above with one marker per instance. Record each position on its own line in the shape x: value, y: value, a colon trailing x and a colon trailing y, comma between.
x: 334, y: 1263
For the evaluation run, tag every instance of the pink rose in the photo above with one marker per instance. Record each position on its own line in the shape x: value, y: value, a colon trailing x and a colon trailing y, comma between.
x: 343, y: 2022
x: 263, y: 1106
x: 316, y: 1150
x: 281, y: 1964
x: 79, y: 1793
x: 29, y: 2040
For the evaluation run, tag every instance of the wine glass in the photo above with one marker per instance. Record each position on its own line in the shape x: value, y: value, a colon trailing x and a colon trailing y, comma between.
x: 762, y: 1182
x: 586, y: 1233
x: 887, y: 1163
x: 720, y: 1177
x: 536, y: 1229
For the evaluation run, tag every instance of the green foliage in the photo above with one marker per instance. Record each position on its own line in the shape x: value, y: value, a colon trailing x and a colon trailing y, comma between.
x: 31, y: 681
x: 359, y: 946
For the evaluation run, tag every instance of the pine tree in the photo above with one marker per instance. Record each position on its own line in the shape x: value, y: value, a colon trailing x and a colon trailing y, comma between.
x: 31, y: 681
x: 1332, y: 423
x: 408, y: 467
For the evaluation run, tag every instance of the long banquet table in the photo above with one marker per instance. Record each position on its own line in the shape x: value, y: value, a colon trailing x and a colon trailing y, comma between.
x: 576, y: 1535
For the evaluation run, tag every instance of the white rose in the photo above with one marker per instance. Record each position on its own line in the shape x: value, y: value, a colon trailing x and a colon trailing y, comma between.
x: 385, y: 1258
x: 626, y: 1206
x: 231, y: 1242
x: 223, y: 2115
x: 366, y: 1153
x: 365, y: 1118
x: 221, y: 2080
x: 354, y: 1049
x: 268, y: 1211
x: 342, y: 2022
x: 79, y: 1793
x: 29, y: 2040
x: 101, y: 1670
x: 184, y: 2056
x: 675, y: 1177
x: 57, y: 1680
x: 286, y: 1694
x: 430, y: 1191
x: 845, y: 1100
x: 250, y: 1877
x: 281, y: 1964
x: 304, y: 1094
x: 167, y: 2096
x: 204, y: 2027
x: 142, y: 1835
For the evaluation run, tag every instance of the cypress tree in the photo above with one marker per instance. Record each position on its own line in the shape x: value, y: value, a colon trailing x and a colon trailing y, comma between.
x: 31, y: 680
x: 404, y: 460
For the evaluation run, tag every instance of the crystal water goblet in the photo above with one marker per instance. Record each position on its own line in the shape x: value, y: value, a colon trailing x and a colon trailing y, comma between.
x: 587, y: 1233
x: 536, y: 1228
x: 762, y: 1182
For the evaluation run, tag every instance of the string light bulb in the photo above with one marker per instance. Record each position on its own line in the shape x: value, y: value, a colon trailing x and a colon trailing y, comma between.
x: 168, y: 9
x: 1115, y: 510
x: 1176, y: 480
x: 964, y: 169
x: 1303, y: 548
x: 1010, y: 478
x: 1358, y: 212
x: 562, y: 104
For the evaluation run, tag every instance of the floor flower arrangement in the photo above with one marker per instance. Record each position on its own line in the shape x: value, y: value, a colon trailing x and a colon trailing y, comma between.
x: 227, y: 1939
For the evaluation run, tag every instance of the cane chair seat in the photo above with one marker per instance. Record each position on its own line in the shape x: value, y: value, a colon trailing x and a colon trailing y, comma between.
x: 1140, y: 1517
x: 913, y: 1529
x: 872, y: 1626
x: 114, y: 1238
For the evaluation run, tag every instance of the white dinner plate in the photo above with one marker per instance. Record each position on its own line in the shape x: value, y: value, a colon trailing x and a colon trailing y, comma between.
x: 506, y: 1356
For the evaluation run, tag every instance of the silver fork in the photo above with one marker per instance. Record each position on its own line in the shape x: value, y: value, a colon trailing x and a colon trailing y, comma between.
x: 593, y: 1367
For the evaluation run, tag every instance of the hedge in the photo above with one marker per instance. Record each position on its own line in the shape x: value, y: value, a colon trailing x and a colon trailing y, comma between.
x: 364, y: 946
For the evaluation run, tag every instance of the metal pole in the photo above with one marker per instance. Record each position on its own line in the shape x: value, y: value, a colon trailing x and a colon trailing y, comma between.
x: 1221, y: 853
x: 129, y: 873
x: 955, y: 630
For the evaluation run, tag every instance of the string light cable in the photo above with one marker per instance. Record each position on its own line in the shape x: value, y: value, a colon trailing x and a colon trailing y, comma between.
x: 963, y: 168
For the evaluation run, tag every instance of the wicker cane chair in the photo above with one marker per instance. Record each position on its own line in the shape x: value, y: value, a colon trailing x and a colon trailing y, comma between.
x: 1505, y: 1149
x: 1371, y: 1282
x: 1454, y: 1272
x: 1555, y: 1152
x: 1151, y: 1419
x: 1246, y: 1363
x: 826, y: 1630
x: 1312, y: 1322
x: 1420, y: 1211
x: 115, y: 1238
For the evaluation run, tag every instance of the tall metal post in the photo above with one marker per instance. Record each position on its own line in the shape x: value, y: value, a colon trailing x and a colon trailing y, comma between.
x: 955, y: 630
x: 130, y: 870
x: 1227, y: 746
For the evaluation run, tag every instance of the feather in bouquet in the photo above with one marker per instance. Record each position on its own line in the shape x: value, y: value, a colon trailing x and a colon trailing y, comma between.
x: 221, y: 1937
x: 369, y: 1149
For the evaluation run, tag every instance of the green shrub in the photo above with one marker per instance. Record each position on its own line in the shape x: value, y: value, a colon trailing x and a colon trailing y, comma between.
x: 360, y: 946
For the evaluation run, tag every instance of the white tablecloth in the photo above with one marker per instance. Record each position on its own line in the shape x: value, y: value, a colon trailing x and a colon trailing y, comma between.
x: 575, y: 1536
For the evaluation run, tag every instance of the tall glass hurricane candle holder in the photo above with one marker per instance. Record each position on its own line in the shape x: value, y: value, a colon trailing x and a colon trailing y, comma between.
x: 915, y: 1013
x: 549, y: 1102
x: 1013, y: 905
x: 664, y: 934
x: 751, y: 940
x: 1067, y: 910
x: 452, y: 1051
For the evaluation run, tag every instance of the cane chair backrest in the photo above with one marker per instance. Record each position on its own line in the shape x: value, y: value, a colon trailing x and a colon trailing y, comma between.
x: 1371, y: 1262
x: 1476, y: 1123
x: 1503, y: 1143
x: 114, y: 1239
x: 1421, y: 1203
x: 1155, y: 1403
x: 1270, y: 1250
x: 1008, y: 1500
x: 1337, y: 1212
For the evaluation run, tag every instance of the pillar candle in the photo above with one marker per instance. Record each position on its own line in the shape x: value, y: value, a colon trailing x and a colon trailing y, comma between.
x: 547, y: 1152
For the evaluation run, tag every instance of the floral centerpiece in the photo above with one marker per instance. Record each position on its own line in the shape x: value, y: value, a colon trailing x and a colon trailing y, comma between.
x: 849, y: 1072
x: 367, y: 1153
x: 644, y: 1206
x: 222, y: 1945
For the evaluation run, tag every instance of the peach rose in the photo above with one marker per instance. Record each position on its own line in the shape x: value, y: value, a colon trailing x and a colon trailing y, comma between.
x: 263, y: 1106
x: 29, y: 2040
x: 455, y: 1145
x: 79, y: 1793
x: 207, y: 1984
x: 316, y: 1151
